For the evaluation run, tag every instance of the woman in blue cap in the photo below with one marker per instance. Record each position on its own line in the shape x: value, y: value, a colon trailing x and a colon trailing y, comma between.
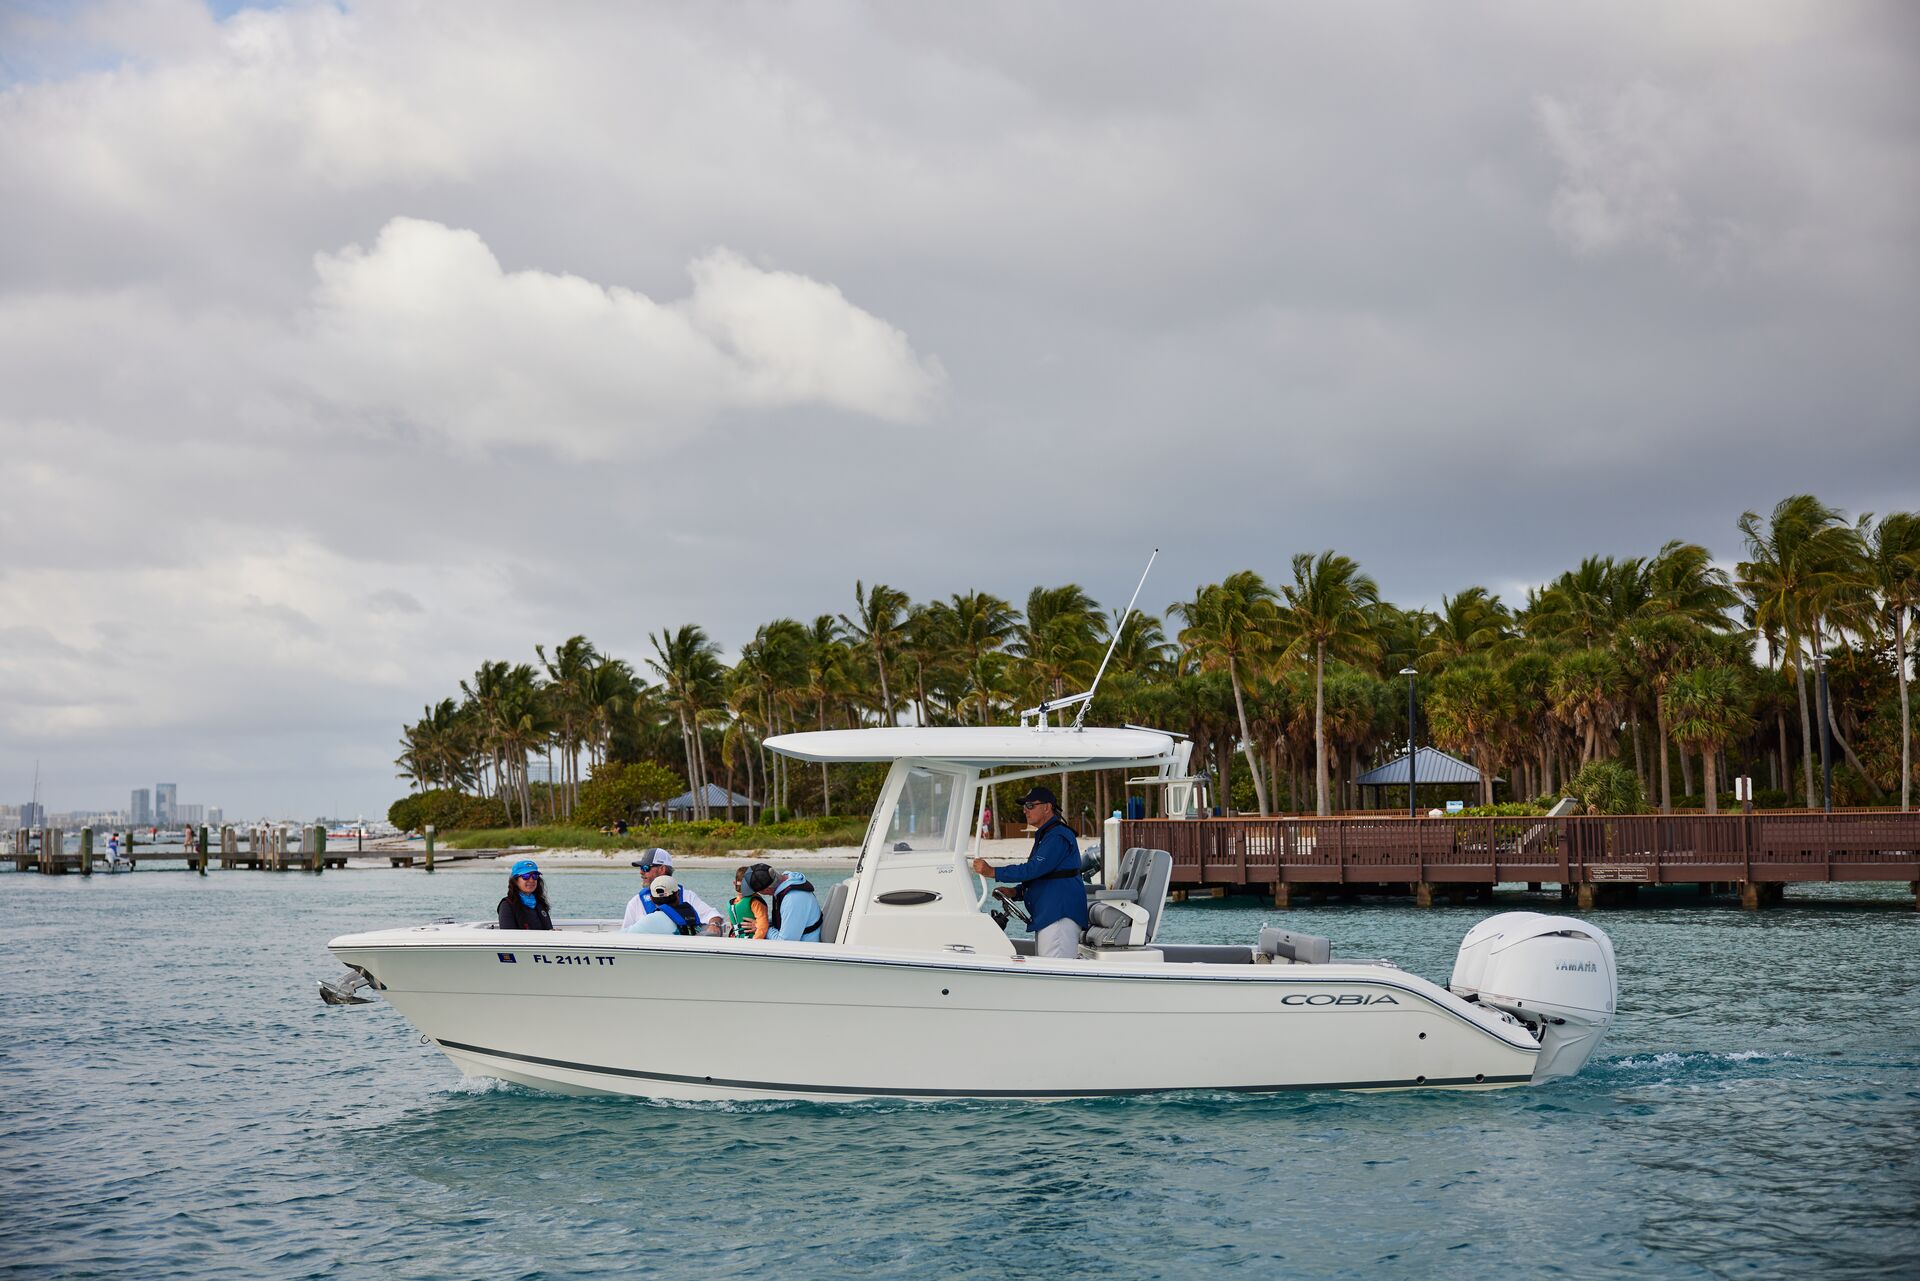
x: 525, y: 906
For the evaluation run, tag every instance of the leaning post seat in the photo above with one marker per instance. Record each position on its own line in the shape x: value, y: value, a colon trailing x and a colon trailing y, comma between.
x: 1128, y: 914
x: 831, y: 912
x: 1300, y: 949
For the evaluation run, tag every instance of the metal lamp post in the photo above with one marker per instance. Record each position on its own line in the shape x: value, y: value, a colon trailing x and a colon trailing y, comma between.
x: 1826, y: 731
x: 1413, y: 803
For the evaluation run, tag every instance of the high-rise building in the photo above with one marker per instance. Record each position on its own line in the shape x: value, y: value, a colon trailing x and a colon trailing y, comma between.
x: 215, y: 816
x: 190, y: 815
x: 33, y: 814
x: 165, y: 797
x: 142, y: 808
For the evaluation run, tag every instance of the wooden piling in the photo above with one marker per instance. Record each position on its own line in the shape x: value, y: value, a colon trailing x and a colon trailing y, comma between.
x: 1750, y: 896
x: 1585, y: 895
x: 429, y: 847
x: 1423, y: 893
x: 86, y: 851
x: 317, y: 850
x: 1282, y: 894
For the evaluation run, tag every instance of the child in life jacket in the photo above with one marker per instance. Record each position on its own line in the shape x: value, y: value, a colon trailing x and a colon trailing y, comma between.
x: 747, y: 913
x: 664, y: 902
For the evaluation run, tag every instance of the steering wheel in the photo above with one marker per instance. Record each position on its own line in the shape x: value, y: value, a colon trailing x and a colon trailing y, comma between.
x: 1012, y: 903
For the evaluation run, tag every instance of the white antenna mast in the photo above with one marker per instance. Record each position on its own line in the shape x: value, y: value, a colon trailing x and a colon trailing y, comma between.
x: 1114, y: 644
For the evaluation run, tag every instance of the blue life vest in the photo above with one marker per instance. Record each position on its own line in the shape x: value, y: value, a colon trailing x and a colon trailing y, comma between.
x: 679, y: 911
x: 785, y: 890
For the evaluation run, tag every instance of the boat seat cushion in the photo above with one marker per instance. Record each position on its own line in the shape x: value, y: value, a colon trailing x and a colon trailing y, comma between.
x: 1302, y: 949
x: 832, y: 910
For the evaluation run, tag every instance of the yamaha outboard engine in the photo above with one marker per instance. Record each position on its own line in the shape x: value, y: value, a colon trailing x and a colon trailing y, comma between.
x: 1553, y: 973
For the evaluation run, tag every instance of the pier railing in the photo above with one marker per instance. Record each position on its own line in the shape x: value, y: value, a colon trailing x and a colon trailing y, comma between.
x: 1632, y: 849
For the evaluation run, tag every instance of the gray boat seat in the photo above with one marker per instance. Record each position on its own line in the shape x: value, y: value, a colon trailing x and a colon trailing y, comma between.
x: 832, y: 910
x: 1300, y: 949
x: 1142, y: 882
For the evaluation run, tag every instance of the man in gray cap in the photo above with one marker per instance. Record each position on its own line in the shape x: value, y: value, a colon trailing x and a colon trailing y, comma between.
x: 655, y: 862
x: 1049, y: 880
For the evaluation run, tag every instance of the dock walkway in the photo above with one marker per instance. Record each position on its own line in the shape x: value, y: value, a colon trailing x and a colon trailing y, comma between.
x: 1592, y: 859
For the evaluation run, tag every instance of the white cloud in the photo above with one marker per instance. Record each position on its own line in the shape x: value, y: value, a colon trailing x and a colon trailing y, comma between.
x: 427, y: 328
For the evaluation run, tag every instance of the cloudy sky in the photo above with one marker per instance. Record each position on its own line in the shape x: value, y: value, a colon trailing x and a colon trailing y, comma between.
x: 343, y: 346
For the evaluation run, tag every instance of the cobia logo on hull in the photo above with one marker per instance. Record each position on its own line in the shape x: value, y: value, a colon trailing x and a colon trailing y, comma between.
x: 1337, y: 998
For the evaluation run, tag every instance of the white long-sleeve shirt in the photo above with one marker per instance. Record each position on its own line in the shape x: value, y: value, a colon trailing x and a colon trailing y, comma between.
x: 636, y: 909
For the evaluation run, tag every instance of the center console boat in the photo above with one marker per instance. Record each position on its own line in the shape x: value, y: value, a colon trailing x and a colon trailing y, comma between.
x: 915, y: 991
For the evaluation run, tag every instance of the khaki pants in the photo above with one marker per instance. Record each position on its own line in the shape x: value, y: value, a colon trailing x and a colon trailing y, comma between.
x: 1061, y: 939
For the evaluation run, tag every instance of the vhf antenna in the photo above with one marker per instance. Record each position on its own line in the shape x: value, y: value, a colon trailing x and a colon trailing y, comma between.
x: 1114, y: 644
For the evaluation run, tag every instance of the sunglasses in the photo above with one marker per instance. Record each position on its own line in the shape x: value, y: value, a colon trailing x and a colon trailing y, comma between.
x: 529, y: 876
x: 1028, y: 805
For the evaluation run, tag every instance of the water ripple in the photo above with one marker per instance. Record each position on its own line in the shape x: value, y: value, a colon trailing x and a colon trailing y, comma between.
x: 181, y: 1107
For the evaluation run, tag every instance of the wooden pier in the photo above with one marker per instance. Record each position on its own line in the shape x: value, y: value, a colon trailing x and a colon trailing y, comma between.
x: 1593, y: 860
x: 267, y: 848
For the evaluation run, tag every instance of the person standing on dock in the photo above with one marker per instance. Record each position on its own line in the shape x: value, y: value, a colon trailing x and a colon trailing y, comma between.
x: 1049, y: 880
x: 525, y: 906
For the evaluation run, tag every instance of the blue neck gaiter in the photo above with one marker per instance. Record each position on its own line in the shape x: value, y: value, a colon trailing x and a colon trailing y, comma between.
x: 529, y: 899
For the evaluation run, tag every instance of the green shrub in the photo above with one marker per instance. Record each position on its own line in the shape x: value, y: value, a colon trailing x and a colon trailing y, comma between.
x: 619, y: 791
x: 710, y: 836
x: 447, y: 810
x: 1607, y: 787
x: 1506, y: 809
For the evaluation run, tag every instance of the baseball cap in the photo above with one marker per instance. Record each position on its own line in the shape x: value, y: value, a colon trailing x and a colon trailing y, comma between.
x: 663, y: 887
x: 1038, y: 794
x: 653, y: 856
x: 525, y: 867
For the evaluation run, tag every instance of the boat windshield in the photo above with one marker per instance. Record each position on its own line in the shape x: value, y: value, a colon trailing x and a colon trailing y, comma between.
x: 924, y: 818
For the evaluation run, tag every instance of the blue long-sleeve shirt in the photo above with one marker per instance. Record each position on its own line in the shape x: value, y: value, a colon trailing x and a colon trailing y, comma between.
x: 1055, y: 849
x: 799, y: 911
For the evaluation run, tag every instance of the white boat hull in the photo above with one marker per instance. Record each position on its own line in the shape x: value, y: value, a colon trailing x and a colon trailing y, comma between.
x: 591, y: 1012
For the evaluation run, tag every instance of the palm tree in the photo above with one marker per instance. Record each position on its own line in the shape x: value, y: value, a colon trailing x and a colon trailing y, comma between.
x: 1657, y: 648
x: 1143, y: 648
x: 1230, y: 625
x: 1893, y: 567
x: 1327, y: 615
x: 824, y: 681
x: 1800, y: 564
x: 1057, y: 642
x: 567, y: 673
x: 1586, y: 691
x: 1472, y: 709
x: 1473, y: 622
x: 688, y: 665
x: 1710, y: 709
x: 983, y: 624
x: 876, y: 625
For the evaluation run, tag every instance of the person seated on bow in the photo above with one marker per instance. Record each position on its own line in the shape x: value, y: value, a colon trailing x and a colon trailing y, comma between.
x: 525, y: 906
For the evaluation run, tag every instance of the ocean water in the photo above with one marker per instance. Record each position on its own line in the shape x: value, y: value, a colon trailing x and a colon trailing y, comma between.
x: 179, y: 1104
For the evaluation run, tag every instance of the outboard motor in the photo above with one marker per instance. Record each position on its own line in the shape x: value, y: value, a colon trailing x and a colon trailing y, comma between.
x: 1553, y: 973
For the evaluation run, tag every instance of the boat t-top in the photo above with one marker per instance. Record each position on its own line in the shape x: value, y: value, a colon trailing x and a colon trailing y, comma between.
x: 916, y: 991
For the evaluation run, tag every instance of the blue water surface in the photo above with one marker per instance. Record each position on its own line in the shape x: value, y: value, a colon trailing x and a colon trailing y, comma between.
x: 178, y: 1104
